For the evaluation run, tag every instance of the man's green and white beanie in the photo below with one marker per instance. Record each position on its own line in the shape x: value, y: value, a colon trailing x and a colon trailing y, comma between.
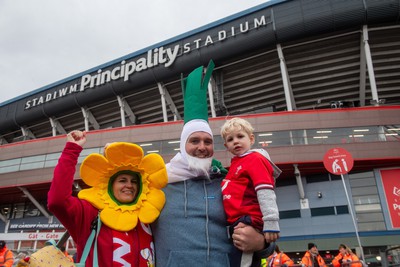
x: 195, y: 107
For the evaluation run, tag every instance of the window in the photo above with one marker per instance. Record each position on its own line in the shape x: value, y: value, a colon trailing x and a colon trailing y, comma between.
x: 366, y: 201
x: 342, y: 209
x: 288, y: 214
x: 324, y: 211
x: 34, y: 162
x: 285, y: 182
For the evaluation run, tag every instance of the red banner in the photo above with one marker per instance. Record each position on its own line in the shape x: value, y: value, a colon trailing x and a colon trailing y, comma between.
x: 391, y: 186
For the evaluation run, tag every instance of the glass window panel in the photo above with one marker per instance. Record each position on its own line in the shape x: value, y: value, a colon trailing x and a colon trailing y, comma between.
x: 299, y: 137
x: 342, y: 209
x: 18, y: 210
x: 342, y: 135
x: 372, y: 226
x: 151, y: 147
x: 9, y: 169
x: 10, y: 162
x: 86, y: 152
x: 371, y: 199
x: 285, y: 182
x: 52, y: 159
x: 287, y: 214
x: 50, y: 163
x: 31, y: 166
x: 363, y: 191
x: 53, y: 156
x: 322, y: 211
x: 393, y: 136
x: 218, y: 143
x: 33, y: 159
x: 368, y: 208
x: 361, y: 175
x: 170, y: 147
x: 31, y: 211
x: 266, y: 139
x: 362, y: 182
x: 370, y: 217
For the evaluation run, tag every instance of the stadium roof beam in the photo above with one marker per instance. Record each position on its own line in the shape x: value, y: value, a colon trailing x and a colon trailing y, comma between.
x: 218, y: 86
x: 371, y: 74
x: 166, y: 99
x: 3, y: 141
x: 299, y: 182
x: 4, y: 219
x: 290, y: 103
x: 211, y: 89
x: 56, y: 126
x: 88, y: 116
x: 34, y: 201
x: 125, y: 108
x: 27, y: 134
x: 363, y: 73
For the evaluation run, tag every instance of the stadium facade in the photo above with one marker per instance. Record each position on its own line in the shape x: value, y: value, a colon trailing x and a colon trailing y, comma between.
x: 309, y: 75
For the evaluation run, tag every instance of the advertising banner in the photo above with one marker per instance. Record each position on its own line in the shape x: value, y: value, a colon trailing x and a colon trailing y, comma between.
x: 391, y: 187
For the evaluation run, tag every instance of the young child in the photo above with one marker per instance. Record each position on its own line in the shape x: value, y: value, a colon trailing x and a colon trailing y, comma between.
x: 248, y: 189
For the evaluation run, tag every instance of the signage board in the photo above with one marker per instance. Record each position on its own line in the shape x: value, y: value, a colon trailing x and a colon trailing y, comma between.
x: 338, y: 161
x: 391, y: 186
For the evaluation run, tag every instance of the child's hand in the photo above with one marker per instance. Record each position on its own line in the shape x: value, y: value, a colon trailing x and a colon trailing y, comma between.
x: 271, y: 237
x: 77, y: 137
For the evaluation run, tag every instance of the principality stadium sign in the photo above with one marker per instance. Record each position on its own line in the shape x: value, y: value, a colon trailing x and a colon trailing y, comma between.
x: 164, y: 56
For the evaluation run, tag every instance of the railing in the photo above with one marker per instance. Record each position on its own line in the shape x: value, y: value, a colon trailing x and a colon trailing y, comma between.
x: 262, y: 139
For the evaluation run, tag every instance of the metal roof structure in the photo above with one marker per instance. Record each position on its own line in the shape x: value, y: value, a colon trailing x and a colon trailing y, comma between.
x: 281, y: 55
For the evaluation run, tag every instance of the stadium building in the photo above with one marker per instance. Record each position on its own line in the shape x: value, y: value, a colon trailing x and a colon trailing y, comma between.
x: 309, y: 75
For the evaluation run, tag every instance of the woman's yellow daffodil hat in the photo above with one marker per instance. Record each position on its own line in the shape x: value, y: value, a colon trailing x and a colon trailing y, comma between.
x: 99, y: 171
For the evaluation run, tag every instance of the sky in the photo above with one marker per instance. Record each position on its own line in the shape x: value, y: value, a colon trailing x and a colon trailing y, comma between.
x: 44, y: 41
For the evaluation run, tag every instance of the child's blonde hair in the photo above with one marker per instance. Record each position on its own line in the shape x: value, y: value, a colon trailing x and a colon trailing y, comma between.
x: 237, y: 124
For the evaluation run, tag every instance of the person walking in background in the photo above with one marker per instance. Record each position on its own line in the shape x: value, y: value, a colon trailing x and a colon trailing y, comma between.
x: 346, y: 258
x: 312, y: 258
x: 191, y: 230
x: 6, y: 255
x: 248, y: 189
x: 125, y: 193
x: 279, y: 259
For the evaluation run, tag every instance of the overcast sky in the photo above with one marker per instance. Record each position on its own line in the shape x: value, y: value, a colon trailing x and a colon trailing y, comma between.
x: 44, y: 41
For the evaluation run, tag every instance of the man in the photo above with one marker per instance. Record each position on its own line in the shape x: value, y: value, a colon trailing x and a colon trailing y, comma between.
x: 312, y: 258
x: 191, y: 229
x: 6, y: 255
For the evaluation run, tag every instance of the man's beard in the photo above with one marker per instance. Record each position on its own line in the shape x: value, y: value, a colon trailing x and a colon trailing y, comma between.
x: 201, y: 165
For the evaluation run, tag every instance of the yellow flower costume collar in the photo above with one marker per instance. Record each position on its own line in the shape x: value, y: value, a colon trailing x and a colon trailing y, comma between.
x: 96, y: 171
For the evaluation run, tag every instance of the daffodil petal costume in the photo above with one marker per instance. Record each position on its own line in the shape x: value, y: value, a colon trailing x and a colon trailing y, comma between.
x: 120, y: 157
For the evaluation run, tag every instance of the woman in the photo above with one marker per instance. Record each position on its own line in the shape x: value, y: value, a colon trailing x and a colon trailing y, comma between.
x: 279, y: 259
x: 124, y: 191
x: 346, y: 258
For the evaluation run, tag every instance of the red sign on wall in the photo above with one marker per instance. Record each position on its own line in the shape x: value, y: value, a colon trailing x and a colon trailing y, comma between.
x: 391, y: 186
x: 338, y: 161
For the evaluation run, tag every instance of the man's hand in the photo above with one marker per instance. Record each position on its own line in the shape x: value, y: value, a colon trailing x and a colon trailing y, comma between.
x: 77, y: 137
x: 247, y: 239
